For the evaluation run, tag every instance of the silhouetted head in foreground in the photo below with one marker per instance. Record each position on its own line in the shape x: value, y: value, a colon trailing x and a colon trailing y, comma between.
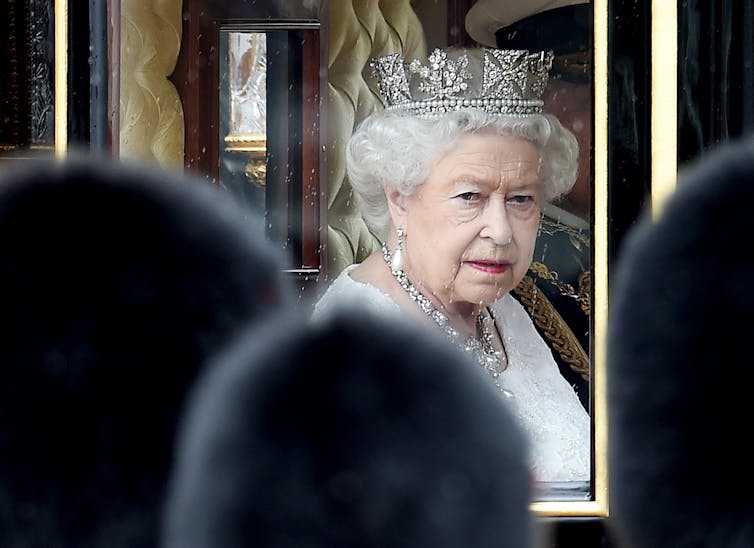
x: 116, y: 285
x: 680, y: 364
x: 352, y: 432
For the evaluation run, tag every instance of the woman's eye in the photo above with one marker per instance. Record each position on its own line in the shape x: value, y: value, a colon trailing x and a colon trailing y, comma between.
x: 468, y: 196
x: 521, y: 201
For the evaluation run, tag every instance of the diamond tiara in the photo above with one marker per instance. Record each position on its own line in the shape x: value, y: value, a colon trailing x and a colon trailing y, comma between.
x: 497, y: 81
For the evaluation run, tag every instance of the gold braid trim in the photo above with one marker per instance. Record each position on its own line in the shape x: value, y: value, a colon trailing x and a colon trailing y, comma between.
x: 555, y: 329
x: 583, y: 296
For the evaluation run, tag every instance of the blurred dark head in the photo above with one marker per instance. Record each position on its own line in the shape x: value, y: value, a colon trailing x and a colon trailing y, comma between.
x: 680, y: 364
x: 349, y: 433
x: 116, y: 284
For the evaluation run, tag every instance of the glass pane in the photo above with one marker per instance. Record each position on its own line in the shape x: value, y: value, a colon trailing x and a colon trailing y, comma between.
x: 268, y: 133
x: 243, y: 120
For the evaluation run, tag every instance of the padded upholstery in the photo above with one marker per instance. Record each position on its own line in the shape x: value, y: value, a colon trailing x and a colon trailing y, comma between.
x: 151, y: 114
x: 152, y: 124
x: 359, y: 30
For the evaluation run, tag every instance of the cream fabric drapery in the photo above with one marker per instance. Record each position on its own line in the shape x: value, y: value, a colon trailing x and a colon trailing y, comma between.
x: 151, y: 114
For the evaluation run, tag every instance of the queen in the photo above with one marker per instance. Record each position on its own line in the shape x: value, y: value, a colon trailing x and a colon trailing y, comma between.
x: 452, y: 175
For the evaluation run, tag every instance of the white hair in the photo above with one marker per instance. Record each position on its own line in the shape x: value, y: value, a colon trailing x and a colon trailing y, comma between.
x: 392, y: 148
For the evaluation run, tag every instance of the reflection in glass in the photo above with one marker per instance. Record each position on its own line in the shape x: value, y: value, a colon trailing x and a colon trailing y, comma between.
x: 268, y: 133
x: 248, y: 76
x: 243, y: 119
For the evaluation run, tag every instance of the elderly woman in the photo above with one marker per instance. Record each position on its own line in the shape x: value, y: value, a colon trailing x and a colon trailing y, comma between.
x: 452, y: 176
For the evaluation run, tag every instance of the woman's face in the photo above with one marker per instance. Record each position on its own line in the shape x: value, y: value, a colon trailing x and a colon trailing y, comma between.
x: 471, y: 227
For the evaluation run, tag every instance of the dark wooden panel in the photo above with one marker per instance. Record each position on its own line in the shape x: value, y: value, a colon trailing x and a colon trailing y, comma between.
x: 15, y: 104
x: 295, y: 190
x: 310, y: 166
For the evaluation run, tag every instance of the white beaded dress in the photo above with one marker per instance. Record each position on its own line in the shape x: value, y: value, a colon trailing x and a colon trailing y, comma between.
x: 545, y: 404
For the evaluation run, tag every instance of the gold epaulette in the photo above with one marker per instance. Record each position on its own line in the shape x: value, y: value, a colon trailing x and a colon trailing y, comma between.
x: 555, y: 329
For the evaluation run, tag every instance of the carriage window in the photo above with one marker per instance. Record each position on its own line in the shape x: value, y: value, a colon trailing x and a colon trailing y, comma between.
x: 269, y: 134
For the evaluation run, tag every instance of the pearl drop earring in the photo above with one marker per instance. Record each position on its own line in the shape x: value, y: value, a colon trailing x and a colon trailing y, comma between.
x: 396, y: 265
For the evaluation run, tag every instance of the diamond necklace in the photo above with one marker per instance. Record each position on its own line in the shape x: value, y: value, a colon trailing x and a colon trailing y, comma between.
x: 493, y: 361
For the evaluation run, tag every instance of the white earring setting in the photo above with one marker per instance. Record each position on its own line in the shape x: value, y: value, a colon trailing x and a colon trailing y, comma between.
x: 396, y: 263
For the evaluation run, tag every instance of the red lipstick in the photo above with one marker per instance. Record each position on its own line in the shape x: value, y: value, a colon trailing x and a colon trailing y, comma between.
x: 489, y: 267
